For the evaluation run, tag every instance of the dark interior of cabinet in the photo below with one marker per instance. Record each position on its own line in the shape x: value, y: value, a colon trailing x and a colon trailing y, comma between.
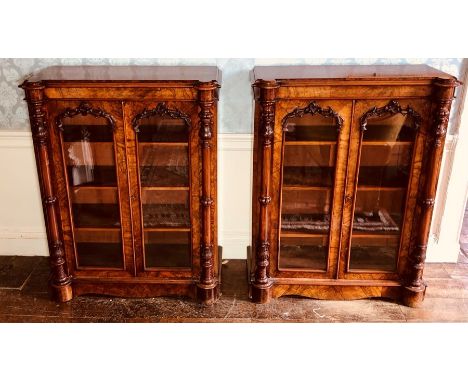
x: 167, y: 256
x: 95, y: 215
x: 312, y: 257
x: 158, y: 129
x: 96, y: 254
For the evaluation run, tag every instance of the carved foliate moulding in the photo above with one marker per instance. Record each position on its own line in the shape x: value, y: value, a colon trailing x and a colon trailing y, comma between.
x: 37, y: 111
x: 392, y: 108
x: 264, y: 200
x: 441, y: 119
x: 160, y: 110
x: 57, y: 261
x: 313, y: 108
x: 443, y: 96
x: 83, y: 109
x: 268, y: 121
x: 428, y: 202
x: 262, y: 263
x: 206, y: 201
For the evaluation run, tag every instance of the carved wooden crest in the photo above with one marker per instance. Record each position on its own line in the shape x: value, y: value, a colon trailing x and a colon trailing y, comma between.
x: 393, y: 107
x: 313, y: 108
x: 84, y: 109
x: 162, y: 110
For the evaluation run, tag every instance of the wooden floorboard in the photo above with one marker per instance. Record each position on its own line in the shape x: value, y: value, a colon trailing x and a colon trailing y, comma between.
x: 24, y: 298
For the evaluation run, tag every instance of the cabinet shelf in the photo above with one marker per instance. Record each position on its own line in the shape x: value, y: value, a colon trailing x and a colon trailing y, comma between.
x: 383, y: 188
x: 165, y: 188
x: 93, y: 187
x: 309, y: 188
x: 166, y: 144
x: 376, y: 235
x: 167, y: 229
x: 309, y: 143
x: 285, y: 233
x: 387, y: 143
x: 97, y: 229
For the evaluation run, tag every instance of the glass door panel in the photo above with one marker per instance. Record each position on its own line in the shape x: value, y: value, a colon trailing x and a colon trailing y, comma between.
x: 88, y: 146
x: 167, y: 249
x: 163, y: 159
x: 163, y: 164
x: 309, y: 158
x: 165, y: 208
x: 382, y: 185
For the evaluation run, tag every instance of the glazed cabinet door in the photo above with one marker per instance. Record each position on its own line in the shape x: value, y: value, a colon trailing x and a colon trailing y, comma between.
x: 88, y: 150
x: 163, y: 155
x: 309, y: 158
x: 386, y: 150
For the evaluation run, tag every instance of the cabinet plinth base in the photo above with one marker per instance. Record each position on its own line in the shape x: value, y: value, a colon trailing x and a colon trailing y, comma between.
x: 260, y: 294
x: 144, y: 287
x: 332, y: 289
x: 136, y: 289
x: 62, y: 293
x: 337, y: 291
x: 413, y: 296
x: 208, y: 294
x: 204, y: 294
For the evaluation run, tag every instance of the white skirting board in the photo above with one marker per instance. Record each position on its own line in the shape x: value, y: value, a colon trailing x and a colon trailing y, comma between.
x: 22, y: 224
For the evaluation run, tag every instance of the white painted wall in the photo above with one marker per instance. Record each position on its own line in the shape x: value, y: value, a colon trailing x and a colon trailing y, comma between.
x: 22, y: 230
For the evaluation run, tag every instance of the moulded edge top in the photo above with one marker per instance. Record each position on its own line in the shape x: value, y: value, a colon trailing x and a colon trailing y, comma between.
x: 283, y: 74
x: 134, y: 73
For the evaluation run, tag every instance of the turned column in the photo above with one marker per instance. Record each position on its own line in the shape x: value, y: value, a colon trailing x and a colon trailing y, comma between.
x: 60, y: 281
x: 415, y: 286
x: 207, y: 288
x: 261, y: 285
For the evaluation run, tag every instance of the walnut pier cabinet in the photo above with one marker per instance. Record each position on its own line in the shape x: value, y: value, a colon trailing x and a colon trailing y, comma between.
x: 346, y: 164
x: 126, y: 158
